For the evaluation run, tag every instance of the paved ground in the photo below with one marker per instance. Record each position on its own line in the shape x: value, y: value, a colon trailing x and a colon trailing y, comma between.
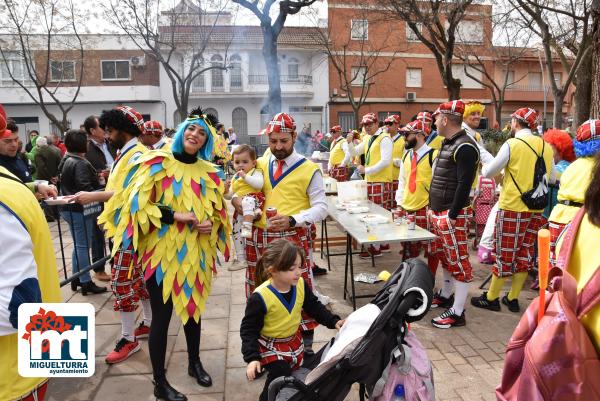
x: 467, y: 361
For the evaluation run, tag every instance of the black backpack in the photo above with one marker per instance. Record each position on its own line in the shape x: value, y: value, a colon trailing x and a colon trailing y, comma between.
x: 537, y: 197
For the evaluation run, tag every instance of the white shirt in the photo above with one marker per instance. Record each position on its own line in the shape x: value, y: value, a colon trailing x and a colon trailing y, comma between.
x: 501, y: 160
x: 161, y: 142
x: 386, y: 148
x: 420, y: 153
x: 315, y: 192
x: 397, y: 161
x: 104, y: 148
x: 347, y: 154
x: 485, y: 156
x: 256, y: 180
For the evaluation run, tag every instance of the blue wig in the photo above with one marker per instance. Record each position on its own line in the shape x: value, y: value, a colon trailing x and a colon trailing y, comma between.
x: 205, y: 152
x: 586, y: 148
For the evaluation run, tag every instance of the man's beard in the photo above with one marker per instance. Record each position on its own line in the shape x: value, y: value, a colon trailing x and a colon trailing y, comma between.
x: 119, y: 141
x: 282, y: 154
x: 411, y: 143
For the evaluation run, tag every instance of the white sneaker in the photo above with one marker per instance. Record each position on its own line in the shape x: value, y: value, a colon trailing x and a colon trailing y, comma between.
x: 246, y: 231
x: 237, y: 265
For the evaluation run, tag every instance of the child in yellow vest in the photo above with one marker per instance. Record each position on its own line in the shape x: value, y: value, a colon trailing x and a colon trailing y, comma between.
x: 339, y: 156
x: 247, y: 184
x: 270, y: 329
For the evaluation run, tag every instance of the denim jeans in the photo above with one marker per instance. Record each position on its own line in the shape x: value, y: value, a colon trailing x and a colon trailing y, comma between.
x: 82, y: 231
x: 98, y: 247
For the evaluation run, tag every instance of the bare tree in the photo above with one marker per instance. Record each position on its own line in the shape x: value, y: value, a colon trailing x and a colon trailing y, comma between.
x: 177, y: 39
x: 505, y: 57
x: 271, y: 30
x: 356, y: 60
x: 564, y: 30
x: 435, y: 23
x: 595, y: 84
x: 43, y: 54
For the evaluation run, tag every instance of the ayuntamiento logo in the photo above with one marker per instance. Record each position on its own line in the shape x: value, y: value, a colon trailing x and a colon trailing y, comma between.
x: 56, y: 340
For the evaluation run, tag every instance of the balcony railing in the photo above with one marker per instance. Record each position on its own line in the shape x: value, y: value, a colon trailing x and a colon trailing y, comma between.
x: 285, y: 79
x: 528, y: 88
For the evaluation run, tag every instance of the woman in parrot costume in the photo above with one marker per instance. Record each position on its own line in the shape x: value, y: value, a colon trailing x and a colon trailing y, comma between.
x: 175, y: 217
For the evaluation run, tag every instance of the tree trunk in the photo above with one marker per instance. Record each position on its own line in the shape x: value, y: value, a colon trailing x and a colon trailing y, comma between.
x: 270, y: 55
x: 583, y: 92
x: 557, y: 114
x: 595, y: 95
x: 453, y: 88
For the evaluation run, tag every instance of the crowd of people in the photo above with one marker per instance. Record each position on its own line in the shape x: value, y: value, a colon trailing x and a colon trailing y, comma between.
x: 164, y: 208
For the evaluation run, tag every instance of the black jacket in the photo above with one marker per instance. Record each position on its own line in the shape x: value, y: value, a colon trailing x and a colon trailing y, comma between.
x: 96, y: 157
x: 17, y: 166
x: 77, y: 174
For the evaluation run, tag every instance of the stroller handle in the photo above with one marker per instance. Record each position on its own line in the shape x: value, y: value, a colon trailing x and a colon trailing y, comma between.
x: 280, y: 382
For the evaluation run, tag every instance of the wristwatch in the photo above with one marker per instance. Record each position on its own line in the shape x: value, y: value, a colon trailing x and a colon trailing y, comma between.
x: 292, y: 221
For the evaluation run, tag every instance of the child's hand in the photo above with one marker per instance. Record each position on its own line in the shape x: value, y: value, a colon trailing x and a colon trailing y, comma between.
x: 339, y: 324
x: 241, y: 174
x: 252, y: 369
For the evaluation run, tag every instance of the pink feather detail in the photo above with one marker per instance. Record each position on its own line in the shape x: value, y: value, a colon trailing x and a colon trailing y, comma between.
x: 196, y: 188
x: 129, y: 229
x: 149, y: 272
x: 215, y: 178
x: 155, y: 160
x: 191, y: 307
x: 166, y: 182
x: 199, y: 286
x: 176, y: 287
x: 180, y: 226
x: 147, y: 255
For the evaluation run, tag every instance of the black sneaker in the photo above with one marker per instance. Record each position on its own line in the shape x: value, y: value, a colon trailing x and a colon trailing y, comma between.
x: 441, y: 302
x: 513, y: 305
x: 319, y: 271
x: 482, y: 302
x: 449, y: 319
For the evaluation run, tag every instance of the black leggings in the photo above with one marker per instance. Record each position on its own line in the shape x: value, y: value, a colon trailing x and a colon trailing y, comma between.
x: 274, y: 370
x: 157, y: 342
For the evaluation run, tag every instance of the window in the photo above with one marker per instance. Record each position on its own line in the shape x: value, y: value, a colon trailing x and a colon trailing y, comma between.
x: 198, y: 84
x: 509, y: 76
x: 115, y: 70
x: 558, y: 78
x: 347, y: 121
x: 411, y: 36
x: 239, y: 121
x: 469, y: 32
x: 293, y: 69
x: 212, y: 111
x: 216, y: 74
x: 413, y: 77
x: 359, y: 29
x: 62, y: 71
x: 359, y: 76
x: 458, y: 71
x: 535, y: 80
x: 235, y: 72
x: 16, y: 65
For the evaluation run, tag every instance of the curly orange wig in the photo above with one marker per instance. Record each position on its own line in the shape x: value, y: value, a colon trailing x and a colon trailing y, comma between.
x: 563, y: 143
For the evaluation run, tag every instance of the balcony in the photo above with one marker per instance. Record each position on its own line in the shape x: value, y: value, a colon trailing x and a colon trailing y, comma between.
x: 285, y: 79
x: 254, y: 86
x: 528, y: 88
x: 524, y: 93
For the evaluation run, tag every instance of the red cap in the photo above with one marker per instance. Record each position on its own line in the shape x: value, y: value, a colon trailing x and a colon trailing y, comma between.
x: 368, y: 119
x: 281, y: 122
x: 133, y: 116
x: 588, y: 131
x: 153, y: 127
x: 417, y: 126
x: 393, y: 119
x: 336, y: 128
x: 425, y: 116
x: 4, y: 133
x: 527, y: 115
x: 455, y: 107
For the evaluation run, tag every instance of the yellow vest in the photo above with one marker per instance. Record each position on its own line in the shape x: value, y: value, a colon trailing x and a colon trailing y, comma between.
x: 436, y: 143
x: 337, y: 155
x: 122, y: 166
x: 288, y: 194
x: 575, y: 180
x: 420, y: 198
x: 373, y: 156
x: 240, y: 187
x: 19, y: 199
x: 397, y: 153
x: 521, y: 166
x: 282, y: 319
x: 585, y: 258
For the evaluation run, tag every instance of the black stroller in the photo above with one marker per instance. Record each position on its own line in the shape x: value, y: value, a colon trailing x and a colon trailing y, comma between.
x: 405, y: 298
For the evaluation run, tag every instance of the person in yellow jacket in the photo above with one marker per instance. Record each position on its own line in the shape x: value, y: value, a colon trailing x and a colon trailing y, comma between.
x: 414, y: 179
x: 340, y: 155
x: 377, y: 148
x: 392, y: 124
x: 585, y: 254
x: 29, y: 274
x: 516, y: 223
x: 575, y: 180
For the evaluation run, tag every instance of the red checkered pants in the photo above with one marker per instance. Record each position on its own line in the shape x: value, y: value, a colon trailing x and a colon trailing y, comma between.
x: 555, y: 230
x: 128, y: 291
x: 394, y: 190
x: 421, y: 220
x: 515, y: 236
x: 380, y: 193
x: 254, y: 249
x: 290, y: 349
x: 339, y: 173
x: 450, y: 247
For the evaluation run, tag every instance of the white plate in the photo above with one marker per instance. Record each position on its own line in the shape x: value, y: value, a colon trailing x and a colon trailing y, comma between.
x: 374, y: 218
x: 59, y: 200
x: 358, y: 209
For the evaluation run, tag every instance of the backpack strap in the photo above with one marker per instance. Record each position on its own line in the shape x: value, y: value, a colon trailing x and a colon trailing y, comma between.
x: 564, y: 258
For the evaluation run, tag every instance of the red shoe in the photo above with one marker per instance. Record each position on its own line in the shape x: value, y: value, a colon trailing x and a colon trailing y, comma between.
x: 122, y: 351
x: 142, y: 331
x: 441, y: 302
x: 449, y: 319
x: 385, y: 248
x: 370, y: 251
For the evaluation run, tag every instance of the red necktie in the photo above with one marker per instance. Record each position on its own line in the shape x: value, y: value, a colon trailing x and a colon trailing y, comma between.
x: 279, y: 170
x: 412, y: 179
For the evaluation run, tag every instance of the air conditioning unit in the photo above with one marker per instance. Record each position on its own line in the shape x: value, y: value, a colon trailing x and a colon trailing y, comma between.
x: 411, y: 96
x: 137, y: 61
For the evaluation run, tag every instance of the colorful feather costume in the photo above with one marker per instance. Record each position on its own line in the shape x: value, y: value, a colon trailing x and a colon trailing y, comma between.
x: 179, y: 257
